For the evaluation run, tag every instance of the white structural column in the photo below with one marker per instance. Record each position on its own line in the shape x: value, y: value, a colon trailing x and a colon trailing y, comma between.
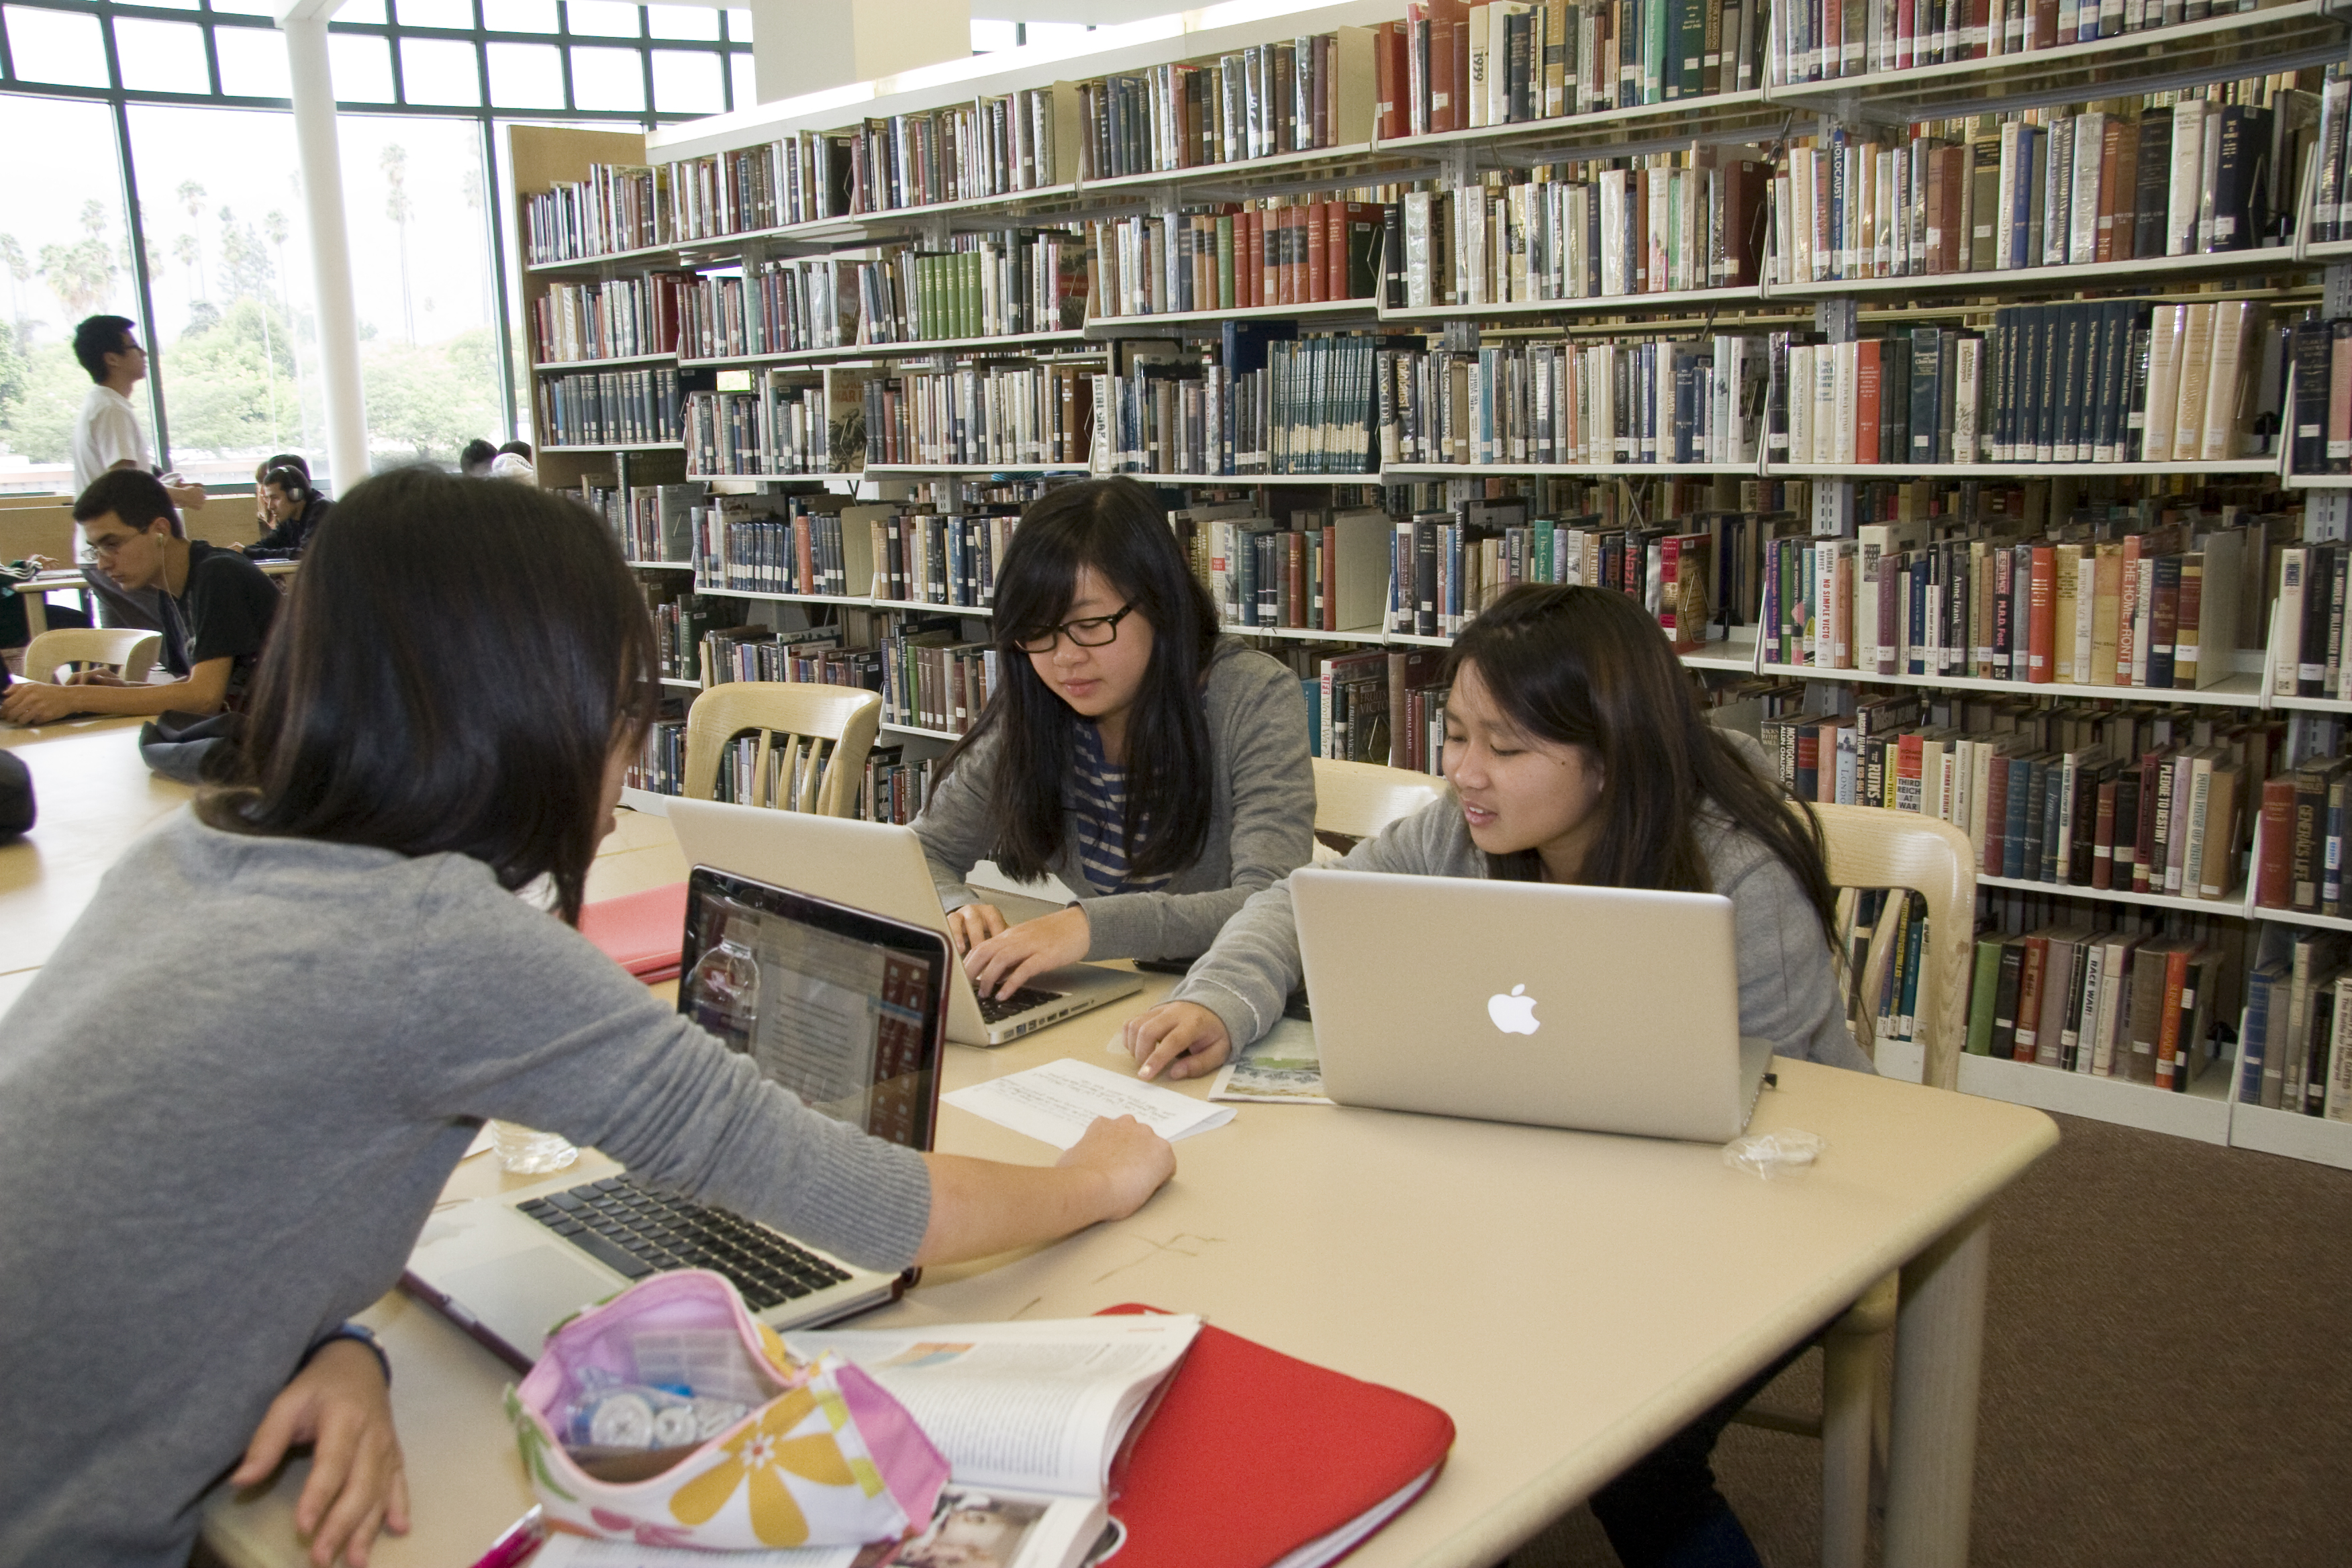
x: 807, y: 46
x: 304, y: 23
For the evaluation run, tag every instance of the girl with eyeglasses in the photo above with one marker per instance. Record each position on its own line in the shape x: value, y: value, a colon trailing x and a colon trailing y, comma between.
x: 1159, y: 770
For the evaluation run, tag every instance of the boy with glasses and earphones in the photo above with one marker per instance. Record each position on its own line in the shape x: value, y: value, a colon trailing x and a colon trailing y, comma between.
x: 1159, y: 770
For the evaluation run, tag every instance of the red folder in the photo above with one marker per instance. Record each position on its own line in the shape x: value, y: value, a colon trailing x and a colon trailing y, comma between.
x: 1302, y: 1456
x: 644, y: 933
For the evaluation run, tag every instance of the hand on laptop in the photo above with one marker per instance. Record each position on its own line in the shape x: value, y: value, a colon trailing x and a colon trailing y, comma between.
x: 340, y: 1405
x: 1183, y: 1039
x: 1008, y: 959
x: 972, y: 925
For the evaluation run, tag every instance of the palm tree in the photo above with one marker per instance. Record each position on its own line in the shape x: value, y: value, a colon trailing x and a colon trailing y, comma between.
x: 81, y: 275
x: 20, y: 272
x: 188, y: 251
x: 191, y: 197
x: 399, y: 208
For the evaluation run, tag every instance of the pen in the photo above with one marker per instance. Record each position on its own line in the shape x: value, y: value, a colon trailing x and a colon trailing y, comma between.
x: 522, y: 1537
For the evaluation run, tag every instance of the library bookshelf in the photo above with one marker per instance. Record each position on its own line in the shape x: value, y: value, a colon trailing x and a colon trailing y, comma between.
x: 2281, y: 273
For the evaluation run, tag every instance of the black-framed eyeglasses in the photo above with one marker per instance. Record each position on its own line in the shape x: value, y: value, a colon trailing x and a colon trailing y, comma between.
x: 1095, y: 631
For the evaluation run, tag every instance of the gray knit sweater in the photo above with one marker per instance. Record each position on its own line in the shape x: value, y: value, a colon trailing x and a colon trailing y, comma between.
x: 1260, y: 824
x: 222, y: 1131
x: 1788, y: 989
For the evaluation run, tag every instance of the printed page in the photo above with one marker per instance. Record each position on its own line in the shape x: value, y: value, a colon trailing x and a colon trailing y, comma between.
x: 1283, y: 1068
x: 1041, y: 1406
x: 1057, y: 1102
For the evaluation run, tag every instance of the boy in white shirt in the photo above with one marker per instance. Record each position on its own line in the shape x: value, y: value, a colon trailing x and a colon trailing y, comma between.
x: 107, y: 436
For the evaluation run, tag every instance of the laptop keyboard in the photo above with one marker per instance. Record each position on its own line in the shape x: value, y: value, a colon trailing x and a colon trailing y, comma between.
x: 996, y: 1009
x: 639, y: 1233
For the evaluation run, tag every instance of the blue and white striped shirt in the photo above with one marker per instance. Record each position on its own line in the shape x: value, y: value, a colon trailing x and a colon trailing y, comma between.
x: 1100, y: 807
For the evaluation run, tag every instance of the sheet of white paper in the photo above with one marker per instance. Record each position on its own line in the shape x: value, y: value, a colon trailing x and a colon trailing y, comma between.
x: 483, y: 1140
x: 1057, y: 1102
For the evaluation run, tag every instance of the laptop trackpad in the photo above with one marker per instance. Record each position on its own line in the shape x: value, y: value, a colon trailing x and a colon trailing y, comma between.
x: 522, y: 1295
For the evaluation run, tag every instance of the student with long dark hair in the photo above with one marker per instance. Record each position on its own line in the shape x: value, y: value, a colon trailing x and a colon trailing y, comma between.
x: 1160, y: 771
x: 1576, y: 751
x: 214, y: 1149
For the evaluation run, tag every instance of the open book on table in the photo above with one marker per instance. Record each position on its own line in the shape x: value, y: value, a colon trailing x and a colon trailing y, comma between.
x: 1029, y: 1415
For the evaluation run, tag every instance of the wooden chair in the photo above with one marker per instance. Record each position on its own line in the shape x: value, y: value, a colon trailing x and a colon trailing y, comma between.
x: 129, y: 652
x: 1356, y: 800
x: 813, y: 741
x: 1892, y: 849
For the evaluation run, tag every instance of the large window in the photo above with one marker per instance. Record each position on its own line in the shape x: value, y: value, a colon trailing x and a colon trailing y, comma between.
x: 184, y: 102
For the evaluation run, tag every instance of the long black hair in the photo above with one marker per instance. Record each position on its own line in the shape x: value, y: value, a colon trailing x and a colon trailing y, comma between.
x: 1588, y: 666
x: 1118, y: 529
x: 451, y: 673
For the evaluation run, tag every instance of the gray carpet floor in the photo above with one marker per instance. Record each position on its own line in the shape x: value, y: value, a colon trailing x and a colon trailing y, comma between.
x: 2167, y: 1379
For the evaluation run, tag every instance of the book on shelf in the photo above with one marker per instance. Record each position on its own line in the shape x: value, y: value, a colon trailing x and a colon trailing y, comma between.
x: 681, y: 618
x: 609, y: 408
x: 1318, y: 569
x: 997, y: 145
x: 619, y: 317
x: 616, y: 208
x: 782, y: 429
x: 1271, y: 250
x: 1265, y: 400
x: 2298, y: 1026
x: 1261, y: 101
x: 1455, y: 66
x: 1827, y: 40
x: 1650, y: 400
x: 2207, y: 171
x: 1606, y: 229
x: 995, y: 413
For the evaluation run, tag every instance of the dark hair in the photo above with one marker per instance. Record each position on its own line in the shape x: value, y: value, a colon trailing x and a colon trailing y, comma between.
x: 372, y: 722
x: 98, y: 336
x: 288, y: 460
x: 137, y: 499
x: 1117, y: 527
x: 291, y: 482
x: 476, y: 454
x: 1589, y: 666
x: 519, y: 448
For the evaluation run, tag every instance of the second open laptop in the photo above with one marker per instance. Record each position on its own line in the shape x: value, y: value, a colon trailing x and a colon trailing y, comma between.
x: 840, y: 1007
x: 880, y: 867
x: 1602, y: 1009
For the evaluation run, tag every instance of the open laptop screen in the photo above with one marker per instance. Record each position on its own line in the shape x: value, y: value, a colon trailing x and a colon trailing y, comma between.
x: 845, y: 1009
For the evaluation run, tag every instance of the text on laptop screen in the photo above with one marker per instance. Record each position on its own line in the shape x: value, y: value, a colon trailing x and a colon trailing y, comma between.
x: 837, y: 1020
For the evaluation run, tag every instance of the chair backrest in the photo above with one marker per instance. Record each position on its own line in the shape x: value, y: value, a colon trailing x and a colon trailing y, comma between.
x: 811, y: 742
x: 1358, y: 799
x: 127, y: 649
x: 1877, y: 848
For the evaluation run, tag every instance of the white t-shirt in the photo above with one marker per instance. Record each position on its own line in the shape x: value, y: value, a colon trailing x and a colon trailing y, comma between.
x: 107, y: 432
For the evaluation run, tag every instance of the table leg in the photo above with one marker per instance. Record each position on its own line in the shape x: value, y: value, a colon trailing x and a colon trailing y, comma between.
x: 1938, y: 1352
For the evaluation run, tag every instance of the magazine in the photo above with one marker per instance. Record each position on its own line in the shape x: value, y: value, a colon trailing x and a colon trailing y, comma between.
x: 1282, y: 1068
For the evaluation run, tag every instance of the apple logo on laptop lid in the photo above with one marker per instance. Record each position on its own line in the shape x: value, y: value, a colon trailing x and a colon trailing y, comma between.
x: 1514, y: 1014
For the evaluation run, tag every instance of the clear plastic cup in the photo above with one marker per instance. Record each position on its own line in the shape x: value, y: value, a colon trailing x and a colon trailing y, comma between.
x: 524, y: 1152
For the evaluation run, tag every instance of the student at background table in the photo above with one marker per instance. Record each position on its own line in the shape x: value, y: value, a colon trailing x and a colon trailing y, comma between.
x: 1160, y: 771
x: 218, y: 607
x: 213, y: 1150
x: 1576, y: 752
x: 295, y: 510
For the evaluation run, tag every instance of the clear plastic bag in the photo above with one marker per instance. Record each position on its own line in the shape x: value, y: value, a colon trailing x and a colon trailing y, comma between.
x: 1773, y: 1155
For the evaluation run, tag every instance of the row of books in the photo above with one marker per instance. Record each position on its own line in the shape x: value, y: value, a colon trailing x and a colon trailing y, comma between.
x: 2095, y: 382
x: 660, y: 765
x: 681, y: 620
x: 1268, y: 405
x: 2319, y: 424
x: 2156, y: 610
x: 993, y: 146
x: 817, y: 546
x: 1652, y: 401
x: 781, y: 430
x: 588, y: 408
x: 1451, y: 66
x: 614, y: 209
x: 1258, y: 101
x: 1012, y: 414
x: 1316, y: 569
x: 1672, y: 221
x: 2328, y: 209
x: 2296, y: 1050
x: 896, y: 785
x: 2308, y: 619
x: 1365, y: 705
x: 2186, y: 174
x: 929, y: 675
x: 2098, y: 1001
x: 1279, y: 250
x: 1828, y: 39
x: 617, y: 319
x: 653, y: 522
x: 2300, y: 869
x: 731, y: 192
x: 1445, y: 567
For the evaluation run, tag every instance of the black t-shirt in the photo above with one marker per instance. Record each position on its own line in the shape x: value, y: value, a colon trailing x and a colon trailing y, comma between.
x: 222, y: 611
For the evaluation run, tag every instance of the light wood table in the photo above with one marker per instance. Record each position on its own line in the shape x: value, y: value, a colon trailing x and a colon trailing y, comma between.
x: 92, y: 795
x: 1570, y: 1299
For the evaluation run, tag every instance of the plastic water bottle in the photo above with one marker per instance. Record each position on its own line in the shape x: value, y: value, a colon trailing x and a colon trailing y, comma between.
x: 523, y: 1152
x: 723, y: 992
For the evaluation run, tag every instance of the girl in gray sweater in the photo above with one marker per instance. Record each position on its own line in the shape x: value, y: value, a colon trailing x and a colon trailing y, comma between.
x: 1160, y: 771
x: 221, y: 1134
x: 1576, y: 752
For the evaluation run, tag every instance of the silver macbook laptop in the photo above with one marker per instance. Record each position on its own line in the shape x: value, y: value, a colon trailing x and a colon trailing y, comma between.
x: 879, y: 867
x: 844, y: 1008
x: 1604, y: 1009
